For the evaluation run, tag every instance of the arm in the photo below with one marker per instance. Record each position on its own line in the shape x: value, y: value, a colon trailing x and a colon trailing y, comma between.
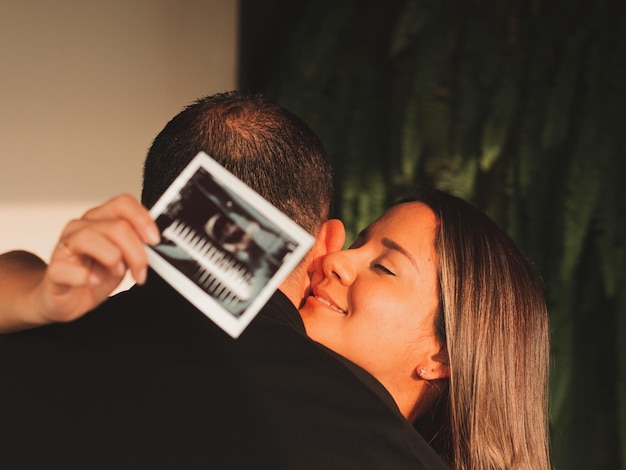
x: 87, y: 264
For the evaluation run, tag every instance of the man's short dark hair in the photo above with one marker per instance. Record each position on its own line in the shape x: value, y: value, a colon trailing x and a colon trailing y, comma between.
x: 261, y: 143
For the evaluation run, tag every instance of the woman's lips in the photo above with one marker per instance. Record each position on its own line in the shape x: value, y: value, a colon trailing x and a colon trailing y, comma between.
x: 329, y: 304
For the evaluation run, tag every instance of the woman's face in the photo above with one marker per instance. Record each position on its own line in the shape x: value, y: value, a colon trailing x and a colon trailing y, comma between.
x: 375, y: 303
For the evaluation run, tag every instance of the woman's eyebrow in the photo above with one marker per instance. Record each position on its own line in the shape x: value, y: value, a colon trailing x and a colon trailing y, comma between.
x: 388, y: 243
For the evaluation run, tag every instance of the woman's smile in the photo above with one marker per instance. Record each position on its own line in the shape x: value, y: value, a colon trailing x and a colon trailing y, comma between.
x: 321, y: 298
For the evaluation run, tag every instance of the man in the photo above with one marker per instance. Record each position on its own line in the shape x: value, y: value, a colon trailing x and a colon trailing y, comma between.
x: 147, y: 381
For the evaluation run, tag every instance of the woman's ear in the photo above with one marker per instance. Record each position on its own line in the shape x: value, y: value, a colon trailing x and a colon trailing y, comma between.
x: 436, y: 367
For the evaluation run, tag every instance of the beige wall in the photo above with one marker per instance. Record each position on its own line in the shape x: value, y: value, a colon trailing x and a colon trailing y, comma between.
x: 85, y: 87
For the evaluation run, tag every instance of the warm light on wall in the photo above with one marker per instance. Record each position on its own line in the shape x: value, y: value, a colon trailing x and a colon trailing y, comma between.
x: 85, y: 88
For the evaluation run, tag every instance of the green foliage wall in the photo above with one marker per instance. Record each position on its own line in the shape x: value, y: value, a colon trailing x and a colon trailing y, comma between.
x: 518, y: 106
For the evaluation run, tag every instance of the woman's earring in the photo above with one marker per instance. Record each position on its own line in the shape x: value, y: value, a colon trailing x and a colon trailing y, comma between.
x: 421, y: 372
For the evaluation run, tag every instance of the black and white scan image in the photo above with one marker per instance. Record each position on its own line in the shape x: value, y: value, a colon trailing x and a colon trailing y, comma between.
x: 223, y: 247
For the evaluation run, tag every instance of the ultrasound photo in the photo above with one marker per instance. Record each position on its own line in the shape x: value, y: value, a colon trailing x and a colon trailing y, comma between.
x: 223, y: 247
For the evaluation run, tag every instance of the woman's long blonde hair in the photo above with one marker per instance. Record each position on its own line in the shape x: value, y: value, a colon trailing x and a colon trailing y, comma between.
x: 494, y: 322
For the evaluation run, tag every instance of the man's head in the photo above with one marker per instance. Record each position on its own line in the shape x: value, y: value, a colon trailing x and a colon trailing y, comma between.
x: 264, y: 145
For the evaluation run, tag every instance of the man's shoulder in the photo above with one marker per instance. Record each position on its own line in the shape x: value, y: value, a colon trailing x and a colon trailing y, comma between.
x: 148, y: 363
x: 309, y: 399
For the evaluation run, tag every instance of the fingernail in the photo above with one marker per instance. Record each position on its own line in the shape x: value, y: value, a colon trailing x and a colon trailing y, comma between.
x: 153, y: 236
x: 141, y: 276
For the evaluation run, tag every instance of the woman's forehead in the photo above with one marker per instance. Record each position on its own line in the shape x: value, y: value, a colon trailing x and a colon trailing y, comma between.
x: 407, y: 216
x: 411, y: 225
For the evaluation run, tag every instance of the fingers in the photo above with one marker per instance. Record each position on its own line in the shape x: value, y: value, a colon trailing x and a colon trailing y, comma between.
x: 130, y: 209
x: 106, y: 241
x: 112, y: 245
x: 74, y: 271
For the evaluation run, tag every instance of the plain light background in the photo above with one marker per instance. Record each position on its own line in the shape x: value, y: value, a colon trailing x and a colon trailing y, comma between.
x: 85, y: 86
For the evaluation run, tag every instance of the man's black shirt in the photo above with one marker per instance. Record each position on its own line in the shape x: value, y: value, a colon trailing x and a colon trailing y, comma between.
x: 147, y: 381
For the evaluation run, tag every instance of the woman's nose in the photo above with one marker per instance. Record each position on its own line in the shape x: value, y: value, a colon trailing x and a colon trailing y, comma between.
x: 340, y: 266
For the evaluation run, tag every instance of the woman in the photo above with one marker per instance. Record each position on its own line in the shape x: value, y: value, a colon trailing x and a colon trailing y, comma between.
x: 437, y: 303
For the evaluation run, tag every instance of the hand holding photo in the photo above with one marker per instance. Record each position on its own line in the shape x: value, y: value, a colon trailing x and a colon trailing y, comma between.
x: 224, y: 247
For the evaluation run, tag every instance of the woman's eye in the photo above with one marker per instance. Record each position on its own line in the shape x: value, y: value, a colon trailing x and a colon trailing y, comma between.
x: 380, y: 267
